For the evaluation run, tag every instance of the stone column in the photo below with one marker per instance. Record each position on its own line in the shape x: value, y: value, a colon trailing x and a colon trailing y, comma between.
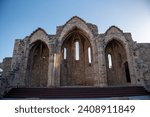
x: 51, y: 66
x: 56, y: 69
x: 131, y: 60
x: 102, y: 64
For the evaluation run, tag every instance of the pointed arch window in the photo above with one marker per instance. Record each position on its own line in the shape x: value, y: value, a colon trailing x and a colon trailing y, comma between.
x: 1, y: 70
x: 89, y: 55
x: 65, y: 54
x: 109, y: 61
x: 77, y: 50
x: 55, y: 60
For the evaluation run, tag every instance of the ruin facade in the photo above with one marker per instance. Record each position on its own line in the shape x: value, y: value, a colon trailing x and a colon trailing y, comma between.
x: 77, y: 55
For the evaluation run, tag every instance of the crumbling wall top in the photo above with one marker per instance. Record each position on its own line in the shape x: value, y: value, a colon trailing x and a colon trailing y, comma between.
x: 113, y: 30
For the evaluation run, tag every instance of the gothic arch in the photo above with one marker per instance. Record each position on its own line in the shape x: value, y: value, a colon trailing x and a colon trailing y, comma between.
x: 37, y: 65
x: 79, y: 25
x: 118, y: 74
x: 39, y: 34
x: 76, y: 72
x: 114, y: 30
x: 70, y: 25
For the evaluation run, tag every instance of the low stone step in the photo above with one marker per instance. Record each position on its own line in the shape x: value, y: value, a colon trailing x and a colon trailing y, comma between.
x: 80, y: 92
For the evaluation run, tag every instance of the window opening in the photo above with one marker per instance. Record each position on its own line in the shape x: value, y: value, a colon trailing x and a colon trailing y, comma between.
x: 65, y: 54
x: 109, y: 61
x: 76, y: 50
x: 89, y: 54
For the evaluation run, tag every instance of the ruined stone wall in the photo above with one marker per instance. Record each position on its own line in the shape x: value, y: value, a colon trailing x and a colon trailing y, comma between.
x: 114, y: 33
x: 144, y: 52
x: 36, y: 36
x: 115, y: 60
x: 18, y: 62
x: 37, y: 66
x: 6, y: 66
x: 143, y: 64
x: 89, y: 31
x: 1, y: 65
x: 77, y: 72
x: 7, y: 75
x: 70, y: 72
x: 1, y: 70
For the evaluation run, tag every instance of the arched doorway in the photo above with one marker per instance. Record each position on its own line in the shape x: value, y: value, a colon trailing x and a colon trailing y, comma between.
x: 76, y: 63
x: 116, y: 64
x: 37, y: 67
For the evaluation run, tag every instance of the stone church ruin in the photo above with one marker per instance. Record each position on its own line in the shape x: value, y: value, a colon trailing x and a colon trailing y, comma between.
x: 76, y: 56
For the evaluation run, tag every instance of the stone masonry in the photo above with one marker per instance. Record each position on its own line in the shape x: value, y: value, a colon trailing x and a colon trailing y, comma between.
x: 77, y: 55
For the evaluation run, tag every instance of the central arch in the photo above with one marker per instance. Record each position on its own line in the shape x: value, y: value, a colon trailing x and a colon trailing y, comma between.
x: 116, y: 64
x: 37, y: 66
x: 76, y: 66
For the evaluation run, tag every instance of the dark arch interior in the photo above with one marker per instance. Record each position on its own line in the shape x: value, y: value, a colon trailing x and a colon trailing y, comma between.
x: 118, y: 74
x: 75, y: 70
x: 37, y: 67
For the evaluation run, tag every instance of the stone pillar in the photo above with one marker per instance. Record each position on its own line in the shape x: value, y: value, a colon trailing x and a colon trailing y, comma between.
x: 51, y: 67
x: 102, y: 64
x: 19, y: 62
x: 131, y: 60
x: 57, y: 68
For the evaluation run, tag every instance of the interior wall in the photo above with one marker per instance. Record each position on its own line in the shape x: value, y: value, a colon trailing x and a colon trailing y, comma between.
x: 118, y: 74
x: 76, y: 72
x: 37, y: 67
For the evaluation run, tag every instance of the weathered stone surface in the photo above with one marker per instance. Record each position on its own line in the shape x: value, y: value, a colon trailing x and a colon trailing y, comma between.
x: 38, y: 59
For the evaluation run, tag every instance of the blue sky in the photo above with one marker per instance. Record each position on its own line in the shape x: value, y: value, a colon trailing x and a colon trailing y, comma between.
x: 19, y: 18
